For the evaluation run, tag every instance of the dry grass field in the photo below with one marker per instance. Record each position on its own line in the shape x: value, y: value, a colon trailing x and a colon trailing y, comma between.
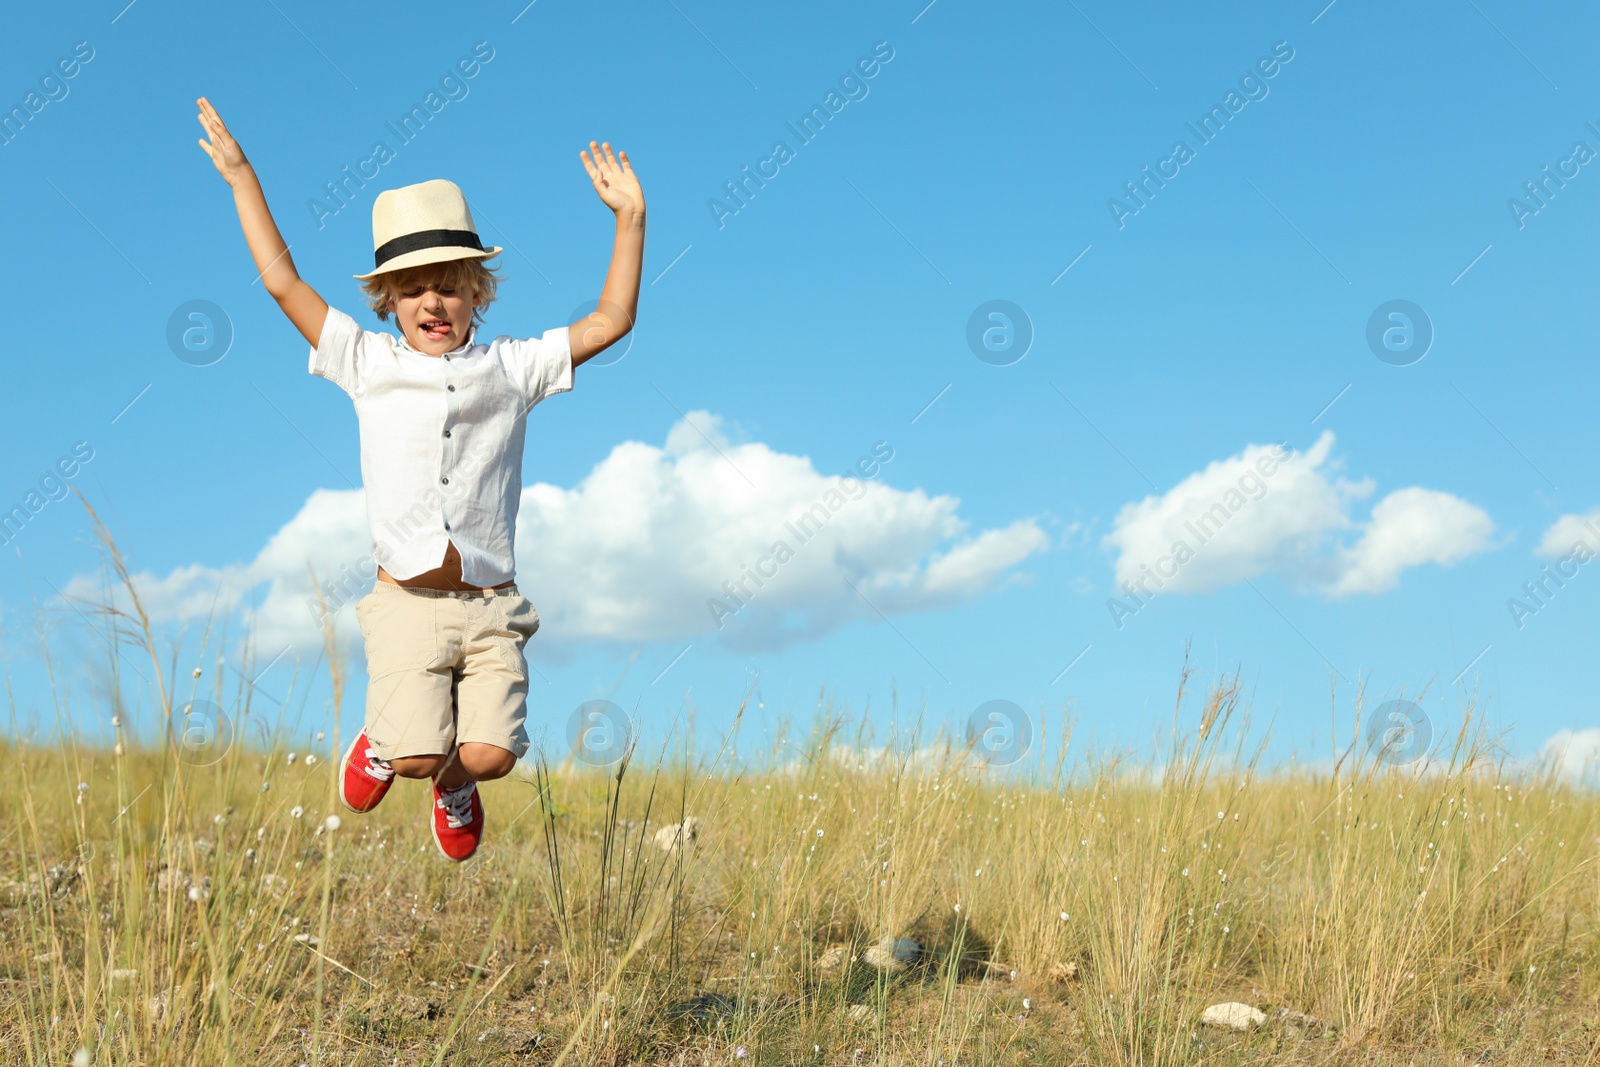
x: 1076, y: 909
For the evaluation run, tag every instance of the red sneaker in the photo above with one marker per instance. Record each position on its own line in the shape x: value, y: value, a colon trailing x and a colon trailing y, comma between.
x: 366, y: 778
x: 457, y: 820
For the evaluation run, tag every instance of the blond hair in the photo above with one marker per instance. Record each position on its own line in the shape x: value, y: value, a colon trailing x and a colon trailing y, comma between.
x: 472, y: 274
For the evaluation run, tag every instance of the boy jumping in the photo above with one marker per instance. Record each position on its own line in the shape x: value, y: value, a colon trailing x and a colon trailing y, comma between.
x: 442, y: 419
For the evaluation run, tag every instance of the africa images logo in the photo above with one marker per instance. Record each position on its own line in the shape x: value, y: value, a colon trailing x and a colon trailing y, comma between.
x: 853, y: 84
x: 1253, y: 86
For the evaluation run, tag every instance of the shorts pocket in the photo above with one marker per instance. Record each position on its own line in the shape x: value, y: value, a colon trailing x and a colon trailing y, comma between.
x: 401, y: 632
x: 519, y: 621
x: 519, y: 614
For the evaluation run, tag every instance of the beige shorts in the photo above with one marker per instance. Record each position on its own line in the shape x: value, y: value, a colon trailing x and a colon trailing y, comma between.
x: 445, y: 668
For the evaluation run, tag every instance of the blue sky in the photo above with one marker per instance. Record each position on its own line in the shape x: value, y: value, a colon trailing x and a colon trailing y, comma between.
x: 983, y: 160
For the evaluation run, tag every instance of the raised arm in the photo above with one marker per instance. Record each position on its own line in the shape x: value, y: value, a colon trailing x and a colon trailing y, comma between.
x: 298, y: 300
x: 603, y: 327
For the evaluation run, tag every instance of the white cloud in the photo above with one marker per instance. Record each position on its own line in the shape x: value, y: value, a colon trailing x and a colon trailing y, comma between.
x: 1573, y: 754
x: 635, y: 551
x: 1569, y: 531
x: 1411, y: 527
x: 657, y: 544
x: 1271, y: 509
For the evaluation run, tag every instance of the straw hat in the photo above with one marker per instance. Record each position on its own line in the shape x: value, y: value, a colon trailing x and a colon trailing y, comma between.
x: 419, y: 224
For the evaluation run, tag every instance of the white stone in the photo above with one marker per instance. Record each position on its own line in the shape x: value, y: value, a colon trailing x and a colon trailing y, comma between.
x: 1233, y: 1016
x: 892, y: 954
x: 833, y: 959
x: 668, y: 838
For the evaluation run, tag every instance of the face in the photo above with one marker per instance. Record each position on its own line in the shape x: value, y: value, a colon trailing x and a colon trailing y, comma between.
x: 433, y: 317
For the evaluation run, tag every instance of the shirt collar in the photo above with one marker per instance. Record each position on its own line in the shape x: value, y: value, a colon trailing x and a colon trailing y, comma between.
x: 472, y: 336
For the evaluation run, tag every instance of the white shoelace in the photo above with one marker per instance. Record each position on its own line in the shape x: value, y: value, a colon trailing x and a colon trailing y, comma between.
x: 457, y: 805
x: 378, y: 768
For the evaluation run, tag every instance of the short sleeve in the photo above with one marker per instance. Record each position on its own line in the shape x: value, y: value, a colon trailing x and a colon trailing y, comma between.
x: 338, y: 354
x: 539, y: 367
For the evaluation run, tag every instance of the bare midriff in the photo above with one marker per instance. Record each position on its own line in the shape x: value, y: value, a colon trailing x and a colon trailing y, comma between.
x: 445, y: 576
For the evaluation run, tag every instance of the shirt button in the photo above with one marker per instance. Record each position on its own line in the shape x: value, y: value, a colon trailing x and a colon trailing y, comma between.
x: 447, y: 433
x: 451, y: 388
x: 447, y: 526
x: 444, y: 481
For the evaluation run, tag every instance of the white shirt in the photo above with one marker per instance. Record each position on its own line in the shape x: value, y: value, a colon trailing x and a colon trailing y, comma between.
x: 441, y: 440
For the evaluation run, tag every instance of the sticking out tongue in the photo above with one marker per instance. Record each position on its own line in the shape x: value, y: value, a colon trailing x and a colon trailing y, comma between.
x: 435, y: 329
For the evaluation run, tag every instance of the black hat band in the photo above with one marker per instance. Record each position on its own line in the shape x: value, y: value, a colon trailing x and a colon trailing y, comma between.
x: 415, y: 242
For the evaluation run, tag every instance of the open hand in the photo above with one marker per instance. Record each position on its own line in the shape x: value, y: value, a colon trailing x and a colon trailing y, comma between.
x: 223, y: 149
x: 613, y: 179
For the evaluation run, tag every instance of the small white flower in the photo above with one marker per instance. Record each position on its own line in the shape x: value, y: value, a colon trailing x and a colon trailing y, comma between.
x: 311, y: 759
x: 1065, y: 916
x: 197, y: 672
x: 296, y: 811
x: 291, y: 758
x: 1027, y: 1005
x: 196, y: 894
x: 1219, y: 814
x: 319, y: 735
x: 116, y: 749
x: 116, y: 720
x: 331, y: 822
x: 265, y: 786
x: 80, y: 1058
x: 217, y: 820
x: 83, y: 787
